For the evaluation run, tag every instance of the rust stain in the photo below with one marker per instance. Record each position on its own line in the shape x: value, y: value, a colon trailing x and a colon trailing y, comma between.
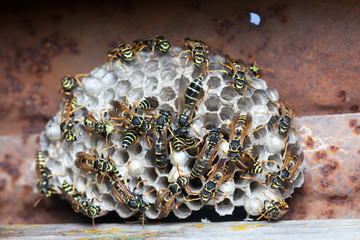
x: 2, y: 185
x: 310, y: 143
x: 337, y: 200
x: 9, y: 168
x: 358, y: 151
x: 352, y: 123
x: 353, y: 179
x: 26, y: 190
x: 329, y: 167
x: 222, y: 26
x: 354, y: 108
x: 334, y: 148
x: 320, y: 155
x: 341, y: 95
x: 356, y: 130
x: 325, y: 182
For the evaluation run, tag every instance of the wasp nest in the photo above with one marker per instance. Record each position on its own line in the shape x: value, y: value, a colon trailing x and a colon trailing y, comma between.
x: 163, y: 76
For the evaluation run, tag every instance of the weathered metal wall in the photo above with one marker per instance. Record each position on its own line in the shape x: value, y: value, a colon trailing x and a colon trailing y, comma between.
x: 311, y: 46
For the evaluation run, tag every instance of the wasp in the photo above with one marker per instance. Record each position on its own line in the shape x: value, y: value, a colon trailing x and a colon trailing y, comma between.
x: 99, y: 165
x: 124, y: 195
x: 198, y: 50
x: 131, y: 137
x: 289, y: 167
x: 237, y: 73
x: 67, y: 124
x: 220, y: 173
x: 239, y: 126
x: 148, y: 104
x: 167, y: 198
x: 254, y: 69
x: 79, y: 202
x: 43, y: 178
x: 160, y: 138
x: 128, y: 117
x: 158, y: 43
x: 123, y: 52
x: 187, y: 105
x: 102, y: 128
x: 68, y: 83
x: 208, y: 153
x: 285, y: 118
x: 248, y: 164
x: 188, y: 143
x: 273, y: 210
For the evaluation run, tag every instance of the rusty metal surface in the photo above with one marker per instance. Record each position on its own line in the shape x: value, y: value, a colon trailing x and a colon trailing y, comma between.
x: 331, y: 189
x: 311, y: 46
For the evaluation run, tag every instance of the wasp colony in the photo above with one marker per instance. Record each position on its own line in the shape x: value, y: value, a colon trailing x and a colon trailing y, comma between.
x: 162, y: 129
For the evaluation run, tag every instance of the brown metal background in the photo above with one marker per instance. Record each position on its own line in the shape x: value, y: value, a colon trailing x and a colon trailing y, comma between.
x: 311, y: 45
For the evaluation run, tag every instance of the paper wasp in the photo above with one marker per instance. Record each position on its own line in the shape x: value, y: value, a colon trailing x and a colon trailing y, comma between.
x: 187, y: 105
x: 159, y: 150
x: 188, y: 143
x: 148, y: 104
x: 197, y: 49
x: 121, y: 191
x: 237, y: 73
x: 104, y: 129
x: 68, y: 83
x: 289, y: 167
x: 255, y: 69
x: 239, y: 126
x: 221, y: 172
x: 67, y: 124
x: 123, y: 52
x: 92, y: 163
x: 285, y: 118
x: 158, y: 43
x: 167, y: 198
x: 208, y: 153
x: 131, y: 137
x: 128, y: 117
x: 273, y: 210
x: 79, y: 202
x: 43, y: 178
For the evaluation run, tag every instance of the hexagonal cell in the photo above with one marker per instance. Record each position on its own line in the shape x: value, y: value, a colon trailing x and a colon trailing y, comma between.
x: 259, y: 132
x: 168, y: 75
x: 108, y: 95
x: 214, y: 82
x: 136, y: 149
x: 194, y: 205
x: 239, y: 197
x: 228, y: 93
x: 150, y: 175
x: 225, y: 207
x: 212, y: 103
x: 167, y: 94
x: 151, y: 84
x: 135, y: 94
x: 151, y: 67
x: 245, y: 104
x: 121, y: 156
x: 122, y: 88
x: 226, y: 113
x: 195, y: 185
x: 211, y: 120
x: 239, y: 180
x: 182, y: 211
x: 123, y: 210
x: 260, y: 97
x: 272, y: 93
